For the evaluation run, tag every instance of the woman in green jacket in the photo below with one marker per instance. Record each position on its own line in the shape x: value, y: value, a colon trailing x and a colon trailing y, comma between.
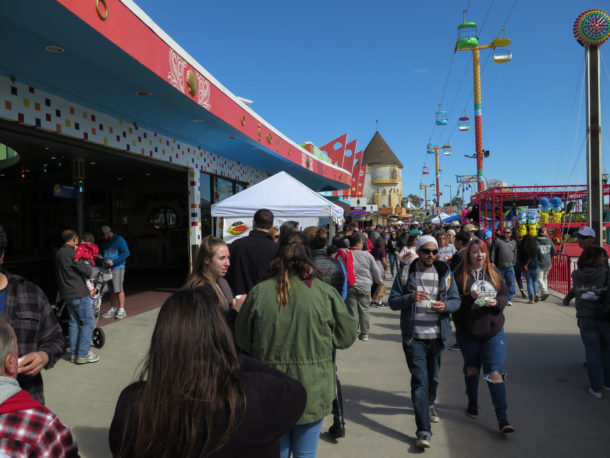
x: 292, y: 321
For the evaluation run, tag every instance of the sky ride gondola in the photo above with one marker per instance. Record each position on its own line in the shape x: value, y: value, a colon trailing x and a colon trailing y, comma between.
x: 502, y: 50
x: 468, y: 37
x: 442, y: 119
x: 464, y: 124
x: 430, y: 148
x: 425, y: 171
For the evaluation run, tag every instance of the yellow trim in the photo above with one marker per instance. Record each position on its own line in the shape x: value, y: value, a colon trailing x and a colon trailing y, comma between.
x: 385, y: 182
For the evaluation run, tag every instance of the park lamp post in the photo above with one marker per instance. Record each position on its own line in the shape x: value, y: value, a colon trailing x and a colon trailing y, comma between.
x: 468, y: 40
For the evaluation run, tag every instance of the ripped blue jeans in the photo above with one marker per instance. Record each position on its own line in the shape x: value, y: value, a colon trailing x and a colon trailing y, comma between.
x: 488, y: 353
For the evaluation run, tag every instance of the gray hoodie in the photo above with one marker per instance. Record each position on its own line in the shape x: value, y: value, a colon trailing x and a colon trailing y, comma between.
x: 9, y: 387
x: 590, y: 285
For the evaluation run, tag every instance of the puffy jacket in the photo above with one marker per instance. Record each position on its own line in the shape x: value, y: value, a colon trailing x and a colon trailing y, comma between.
x: 298, y: 338
x: 331, y: 269
x: 401, y: 298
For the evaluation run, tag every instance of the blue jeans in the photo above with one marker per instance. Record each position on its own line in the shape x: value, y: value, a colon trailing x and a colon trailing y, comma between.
x: 393, y: 258
x: 488, y: 353
x: 424, y: 361
x: 82, y: 323
x: 509, y: 277
x: 595, y: 334
x: 532, y: 282
x: 301, y: 441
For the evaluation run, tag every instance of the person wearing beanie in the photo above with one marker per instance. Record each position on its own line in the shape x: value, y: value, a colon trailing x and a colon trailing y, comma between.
x: 425, y: 294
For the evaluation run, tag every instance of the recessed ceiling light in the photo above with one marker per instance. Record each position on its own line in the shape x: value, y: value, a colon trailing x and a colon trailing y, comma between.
x: 147, y: 174
x: 53, y: 157
x: 2, y: 174
x: 27, y: 170
x: 54, y: 49
x: 144, y: 93
x: 120, y: 178
x: 47, y: 147
x: 45, y: 165
x: 92, y: 163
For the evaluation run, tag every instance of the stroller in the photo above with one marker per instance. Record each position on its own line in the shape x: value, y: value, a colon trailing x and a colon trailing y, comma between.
x: 98, y: 339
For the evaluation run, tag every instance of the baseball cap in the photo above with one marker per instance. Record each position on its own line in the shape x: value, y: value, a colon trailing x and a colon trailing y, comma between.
x: 105, y: 229
x: 451, y: 231
x: 421, y: 241
x: 585, y: 231
x: 470, y: 227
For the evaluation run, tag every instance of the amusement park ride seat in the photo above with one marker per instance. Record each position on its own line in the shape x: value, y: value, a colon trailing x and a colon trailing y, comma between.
x: 442, y: 119
x: 502, y: 50
x: 430, y: 149
x: 467, y: 35
x: 464, y: 124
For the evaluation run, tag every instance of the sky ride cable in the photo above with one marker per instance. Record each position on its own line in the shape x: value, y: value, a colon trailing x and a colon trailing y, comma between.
x: 579, y: 86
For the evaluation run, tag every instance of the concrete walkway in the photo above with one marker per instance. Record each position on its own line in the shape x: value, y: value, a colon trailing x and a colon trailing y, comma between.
x: 547, y: 392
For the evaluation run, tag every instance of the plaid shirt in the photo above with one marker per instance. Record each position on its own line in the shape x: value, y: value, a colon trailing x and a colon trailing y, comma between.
x: 35, y: 432
x: 29, y: 313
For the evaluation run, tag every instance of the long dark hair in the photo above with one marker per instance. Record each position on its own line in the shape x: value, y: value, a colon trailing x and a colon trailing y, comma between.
x: 293, y: 257
x: 527, y: 248
x: 191, y: 382
x: 590, y: 257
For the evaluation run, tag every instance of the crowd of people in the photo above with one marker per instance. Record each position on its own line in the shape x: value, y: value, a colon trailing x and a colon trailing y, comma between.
x: 258, y: 323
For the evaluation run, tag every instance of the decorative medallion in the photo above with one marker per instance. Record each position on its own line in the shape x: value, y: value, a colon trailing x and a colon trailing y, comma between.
x: 269, y: 138
x: 259, y: 133
x: 243, y: 120
x: 592, y: 28
x: 307, y: 161
x: 191, y: 82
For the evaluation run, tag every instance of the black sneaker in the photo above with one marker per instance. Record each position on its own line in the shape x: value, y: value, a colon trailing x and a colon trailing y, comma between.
x: 544, y: 297
x: 536, y: 298
x: 454, y: 347
x: 337, y: 430
x: 472, y: 410
x: 505, y: 427
x: 522, y: 293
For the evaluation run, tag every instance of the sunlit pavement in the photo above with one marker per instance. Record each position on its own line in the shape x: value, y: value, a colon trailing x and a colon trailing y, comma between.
x: 549, y: 406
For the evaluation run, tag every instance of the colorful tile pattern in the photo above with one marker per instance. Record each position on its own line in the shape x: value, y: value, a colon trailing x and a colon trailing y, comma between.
x: 32, y: 107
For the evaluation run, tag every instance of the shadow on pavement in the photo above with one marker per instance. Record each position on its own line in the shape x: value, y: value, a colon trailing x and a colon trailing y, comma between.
x: 92, y: 442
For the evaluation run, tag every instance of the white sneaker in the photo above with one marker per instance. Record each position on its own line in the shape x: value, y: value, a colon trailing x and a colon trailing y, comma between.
x: 110, y: 313
x: 88, y: 358
x: 422, y: 443
x: 595, y: 394
x: 121, y: 314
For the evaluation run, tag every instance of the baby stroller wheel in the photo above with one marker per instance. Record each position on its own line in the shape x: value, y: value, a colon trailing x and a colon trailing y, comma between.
x: 99, y: 338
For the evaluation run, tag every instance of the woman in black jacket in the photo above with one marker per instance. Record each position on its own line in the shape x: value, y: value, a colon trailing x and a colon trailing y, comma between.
x: 196, y: 398
x: 479, y: 325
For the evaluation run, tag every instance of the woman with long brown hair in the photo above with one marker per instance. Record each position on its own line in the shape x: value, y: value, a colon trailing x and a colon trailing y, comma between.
x: 479, y: 324
x: 195, y: 397
x: 210, y: 266
x: 292, y: 321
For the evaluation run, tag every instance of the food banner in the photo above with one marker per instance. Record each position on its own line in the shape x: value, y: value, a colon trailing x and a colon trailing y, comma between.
x: 235, y: 228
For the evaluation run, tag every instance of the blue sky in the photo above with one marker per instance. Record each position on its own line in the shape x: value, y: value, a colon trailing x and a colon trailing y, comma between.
x: 318, y: 69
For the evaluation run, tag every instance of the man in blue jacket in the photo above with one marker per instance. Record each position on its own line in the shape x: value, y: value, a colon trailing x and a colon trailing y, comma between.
x: 425, y: 294
x: 115, y: 253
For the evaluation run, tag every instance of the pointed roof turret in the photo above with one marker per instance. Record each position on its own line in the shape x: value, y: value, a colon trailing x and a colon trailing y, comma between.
x: 378, y: 152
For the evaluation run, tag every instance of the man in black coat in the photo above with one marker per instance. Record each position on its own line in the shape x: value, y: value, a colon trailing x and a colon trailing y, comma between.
x: 251, y: 255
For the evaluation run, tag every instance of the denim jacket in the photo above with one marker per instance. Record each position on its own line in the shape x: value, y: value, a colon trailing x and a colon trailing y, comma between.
x: 401, y: 298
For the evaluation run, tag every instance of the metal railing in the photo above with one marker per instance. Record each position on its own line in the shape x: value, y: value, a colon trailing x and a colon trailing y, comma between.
x: 560, y: 275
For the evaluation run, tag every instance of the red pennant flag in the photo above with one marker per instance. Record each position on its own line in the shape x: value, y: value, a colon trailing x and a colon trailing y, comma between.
x: 353, y: 190
x: 336, y: 149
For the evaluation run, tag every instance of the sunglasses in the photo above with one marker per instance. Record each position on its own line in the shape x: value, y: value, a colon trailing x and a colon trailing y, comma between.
x: 427, y: 251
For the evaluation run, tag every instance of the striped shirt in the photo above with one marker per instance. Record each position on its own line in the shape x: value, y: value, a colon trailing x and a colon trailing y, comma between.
x: 427, y: 324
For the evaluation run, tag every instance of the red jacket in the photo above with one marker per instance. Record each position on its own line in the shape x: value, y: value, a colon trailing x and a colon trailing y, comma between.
x: 30, y: 429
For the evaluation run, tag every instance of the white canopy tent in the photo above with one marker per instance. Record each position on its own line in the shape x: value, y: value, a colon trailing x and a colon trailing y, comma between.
x: 286, y: 197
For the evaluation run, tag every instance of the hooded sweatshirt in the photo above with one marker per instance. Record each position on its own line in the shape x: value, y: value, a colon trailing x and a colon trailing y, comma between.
x: 590, y: 285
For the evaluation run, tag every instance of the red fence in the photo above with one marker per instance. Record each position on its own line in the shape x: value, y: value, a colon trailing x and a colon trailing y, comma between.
x: 560, y: 275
